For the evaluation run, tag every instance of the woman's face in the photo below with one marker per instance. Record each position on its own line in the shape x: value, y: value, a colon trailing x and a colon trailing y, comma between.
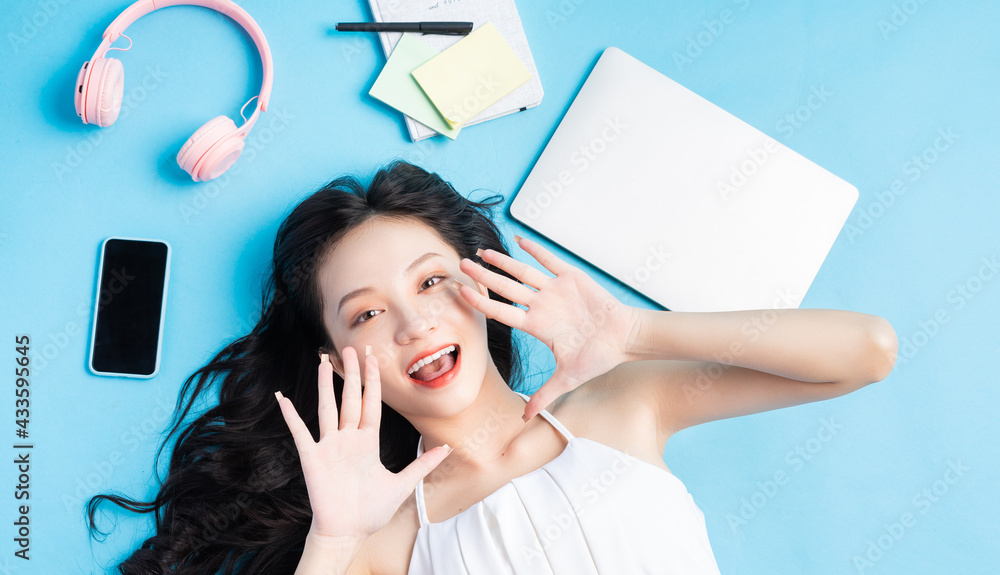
x: 381, y: 288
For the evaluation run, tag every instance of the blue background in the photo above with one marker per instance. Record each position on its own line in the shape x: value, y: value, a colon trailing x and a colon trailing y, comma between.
x: 893, y: 75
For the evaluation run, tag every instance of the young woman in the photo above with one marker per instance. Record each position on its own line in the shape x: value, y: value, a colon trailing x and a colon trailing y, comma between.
x: 408, y: 450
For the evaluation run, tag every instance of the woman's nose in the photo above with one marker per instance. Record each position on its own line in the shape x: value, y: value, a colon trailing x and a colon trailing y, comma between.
x: 419, y: 322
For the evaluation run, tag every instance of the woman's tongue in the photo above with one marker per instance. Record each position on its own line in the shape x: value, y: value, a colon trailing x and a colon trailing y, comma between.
x: 435, y: 368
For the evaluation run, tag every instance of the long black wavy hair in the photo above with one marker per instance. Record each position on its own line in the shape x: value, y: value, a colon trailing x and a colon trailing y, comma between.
x: 234, y: 499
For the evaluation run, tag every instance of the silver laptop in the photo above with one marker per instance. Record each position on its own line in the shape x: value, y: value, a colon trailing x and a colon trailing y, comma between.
x: 678, y: 199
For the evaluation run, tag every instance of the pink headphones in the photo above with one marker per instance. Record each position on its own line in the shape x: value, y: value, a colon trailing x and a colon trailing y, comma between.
x: 214, y: 147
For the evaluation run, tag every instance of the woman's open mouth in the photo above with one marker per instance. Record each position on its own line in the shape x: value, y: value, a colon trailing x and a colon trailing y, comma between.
x: 440, y: 372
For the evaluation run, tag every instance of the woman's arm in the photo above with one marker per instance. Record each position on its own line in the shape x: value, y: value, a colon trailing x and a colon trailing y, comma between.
x: 810, y: 345
x: 734, y: 363
x: 695, y: 367
x: 331, y: 556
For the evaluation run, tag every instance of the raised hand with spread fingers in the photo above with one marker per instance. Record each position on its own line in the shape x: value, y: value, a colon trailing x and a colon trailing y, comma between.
x: 587, y: 329
x: 351, y: 493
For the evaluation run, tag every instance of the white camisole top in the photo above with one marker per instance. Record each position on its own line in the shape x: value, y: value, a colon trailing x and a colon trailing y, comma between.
x: 591, y: 510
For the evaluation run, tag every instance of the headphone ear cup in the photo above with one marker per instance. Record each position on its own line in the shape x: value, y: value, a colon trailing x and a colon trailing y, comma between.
x: 211, y: 150
x: 112, y: 87
x: 220, y: 158
x: 81, y: 82
x: 99, y: 92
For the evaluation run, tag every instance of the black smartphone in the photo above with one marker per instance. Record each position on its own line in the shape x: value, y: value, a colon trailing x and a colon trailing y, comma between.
x: 129, y: 307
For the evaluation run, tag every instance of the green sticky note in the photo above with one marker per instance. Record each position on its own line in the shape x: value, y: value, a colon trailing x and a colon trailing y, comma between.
x: 396, y: 87
x: 471, y: 75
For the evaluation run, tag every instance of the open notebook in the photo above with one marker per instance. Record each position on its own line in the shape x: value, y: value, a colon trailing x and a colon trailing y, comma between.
x: 502, y: 13
x: 679, y: 199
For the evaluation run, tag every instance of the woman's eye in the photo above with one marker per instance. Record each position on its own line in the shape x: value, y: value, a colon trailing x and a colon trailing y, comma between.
x: 364, y: 315
x: 434, y: 277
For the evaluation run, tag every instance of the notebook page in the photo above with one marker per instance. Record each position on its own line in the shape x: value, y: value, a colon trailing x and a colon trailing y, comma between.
x: 502, y: 13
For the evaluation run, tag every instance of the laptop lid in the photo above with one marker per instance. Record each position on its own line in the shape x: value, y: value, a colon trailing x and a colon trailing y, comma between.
x: 679, y: 199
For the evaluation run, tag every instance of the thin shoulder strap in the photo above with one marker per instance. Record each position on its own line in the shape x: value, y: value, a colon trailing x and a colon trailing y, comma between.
x: 551, y: 419
x: 421, y: 506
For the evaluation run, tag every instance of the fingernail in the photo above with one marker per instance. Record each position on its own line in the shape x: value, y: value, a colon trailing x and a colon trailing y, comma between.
x: 525, y: 417
x: 479, y: 252
x: 517, y: 238
x: 456, y: 284
x: 368, y: 350
x: 448, y: 448
x: 278, y: 395
x: 324, y: 357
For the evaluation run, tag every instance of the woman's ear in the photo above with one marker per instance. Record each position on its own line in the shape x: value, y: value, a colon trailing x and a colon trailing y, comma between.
x: 338, y: 366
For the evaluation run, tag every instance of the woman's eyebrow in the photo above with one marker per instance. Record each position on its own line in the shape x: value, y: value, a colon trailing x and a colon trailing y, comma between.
x: 360, y: 291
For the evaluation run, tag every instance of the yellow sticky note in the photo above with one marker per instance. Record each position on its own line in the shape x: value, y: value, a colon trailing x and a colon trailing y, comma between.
x: 397, y: 88
x: 471, y: 75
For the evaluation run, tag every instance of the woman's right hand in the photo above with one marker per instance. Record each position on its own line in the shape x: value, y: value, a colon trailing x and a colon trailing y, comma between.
x: 351, y: 493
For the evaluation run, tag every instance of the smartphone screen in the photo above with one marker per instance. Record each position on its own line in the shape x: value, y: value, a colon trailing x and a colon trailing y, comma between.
x: 129, y: 307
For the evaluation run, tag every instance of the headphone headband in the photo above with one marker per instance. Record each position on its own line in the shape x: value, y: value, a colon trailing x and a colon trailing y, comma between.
x: 227, y: 7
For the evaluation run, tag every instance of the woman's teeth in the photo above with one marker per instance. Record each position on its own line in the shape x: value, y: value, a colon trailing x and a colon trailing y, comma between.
x: 429, y: 359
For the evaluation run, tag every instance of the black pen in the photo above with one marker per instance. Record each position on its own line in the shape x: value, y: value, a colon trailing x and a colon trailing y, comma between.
x: 457, y: 28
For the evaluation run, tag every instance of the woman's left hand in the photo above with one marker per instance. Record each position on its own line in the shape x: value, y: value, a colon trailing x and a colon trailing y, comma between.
x: 587, y: 329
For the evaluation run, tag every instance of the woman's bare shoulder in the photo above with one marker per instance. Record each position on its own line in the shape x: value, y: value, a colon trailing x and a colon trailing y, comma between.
x: 599, y: 410
x: 593, y: 411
